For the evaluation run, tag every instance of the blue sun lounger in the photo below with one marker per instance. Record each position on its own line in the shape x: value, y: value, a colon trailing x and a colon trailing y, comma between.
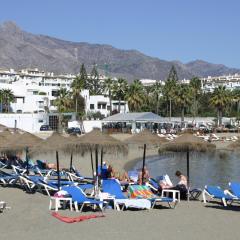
x: 215, y: 192
x: 113, y: 187
x: 79, y: 198
x: 234, y: 190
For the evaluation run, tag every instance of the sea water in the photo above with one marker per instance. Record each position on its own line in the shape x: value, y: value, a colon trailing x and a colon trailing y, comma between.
x: 218, y: 168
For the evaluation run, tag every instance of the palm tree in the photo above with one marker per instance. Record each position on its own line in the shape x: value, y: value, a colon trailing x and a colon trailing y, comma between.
x: 135, y: 96
x: 7, y: 97
x: 221, y: 97
x: 183, y: 98
x: 195, y: 85
x: 108, y: 87
x: 77, y: 86
x: 169, y: 90
x: 236, y: 98
x: 62, y: 102
x: 119, y: 90
x: 157, y: 91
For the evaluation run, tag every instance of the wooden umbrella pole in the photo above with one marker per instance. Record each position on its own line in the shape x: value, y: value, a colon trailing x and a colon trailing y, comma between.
x: 71, y: 161
x: 188, y: 175
x: 96, y: 161
x: 144, y: 156
x: 58, y: 173
x: 27, y: 160
x: 101, y: 160
x: 92, y: 163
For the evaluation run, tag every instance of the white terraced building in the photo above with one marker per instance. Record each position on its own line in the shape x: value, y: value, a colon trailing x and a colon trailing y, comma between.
x: 35, y: 91
x: 229, y: 81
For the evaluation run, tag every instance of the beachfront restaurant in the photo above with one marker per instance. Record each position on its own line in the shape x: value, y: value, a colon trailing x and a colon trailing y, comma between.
x: 130, y: 122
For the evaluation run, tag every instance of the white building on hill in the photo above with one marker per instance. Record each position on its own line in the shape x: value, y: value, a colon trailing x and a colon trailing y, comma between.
x: 36, y: 90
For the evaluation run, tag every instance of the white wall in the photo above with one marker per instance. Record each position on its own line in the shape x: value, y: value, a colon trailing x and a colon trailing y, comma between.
x: 28, y: 122
x: 89, y: 125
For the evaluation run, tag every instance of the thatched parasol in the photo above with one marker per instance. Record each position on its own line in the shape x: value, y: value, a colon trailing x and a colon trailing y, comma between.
x: 147, y: 140
x: 23, y: 141
x: 95, y: 141
x: 187, y: 143
x: 54, y: 143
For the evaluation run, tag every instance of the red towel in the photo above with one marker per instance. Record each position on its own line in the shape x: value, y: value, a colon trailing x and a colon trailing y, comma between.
x: 75, y: 219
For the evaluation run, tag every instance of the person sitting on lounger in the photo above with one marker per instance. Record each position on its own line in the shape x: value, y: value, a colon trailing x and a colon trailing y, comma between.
x: 145, y: 178
x: 182, y: 185
x: 110, y: 172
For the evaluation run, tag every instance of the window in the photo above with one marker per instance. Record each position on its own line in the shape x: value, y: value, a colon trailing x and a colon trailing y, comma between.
x: 104, y: 106
x: 99, y: 106
x: 55, y: 93
x: 108, y: 108
x: 91, y: 106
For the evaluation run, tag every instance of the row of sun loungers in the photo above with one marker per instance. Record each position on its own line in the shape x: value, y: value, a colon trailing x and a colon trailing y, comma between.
x: 75, y: 186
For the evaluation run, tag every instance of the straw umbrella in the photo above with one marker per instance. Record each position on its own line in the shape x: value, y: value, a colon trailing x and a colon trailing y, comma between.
x: 24, y: 141
x: 147, y: 140
x: 95, y: 141
x: 52, y: 144
x: 187, y: 143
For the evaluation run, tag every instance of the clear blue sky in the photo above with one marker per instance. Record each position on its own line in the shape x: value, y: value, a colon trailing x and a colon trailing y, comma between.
x: 182, y: 30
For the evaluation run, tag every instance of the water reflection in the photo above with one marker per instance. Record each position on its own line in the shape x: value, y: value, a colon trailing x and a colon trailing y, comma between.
x: 218, y: 168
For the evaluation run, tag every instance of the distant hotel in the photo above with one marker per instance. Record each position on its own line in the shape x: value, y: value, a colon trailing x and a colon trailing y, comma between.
x: 231, y: 82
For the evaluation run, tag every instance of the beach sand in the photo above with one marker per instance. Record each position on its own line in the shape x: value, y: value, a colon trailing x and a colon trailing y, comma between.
x: 29, y: 217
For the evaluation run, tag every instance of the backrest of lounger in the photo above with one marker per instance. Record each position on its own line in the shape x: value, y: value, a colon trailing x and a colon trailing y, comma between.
x: 133, y: 175
x: 112, y: 187
x: 216, y: 191
x: 76, y: 193
x: 235, y: 188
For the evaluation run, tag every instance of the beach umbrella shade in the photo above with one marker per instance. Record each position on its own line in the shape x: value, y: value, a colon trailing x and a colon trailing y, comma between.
x: 54, y: 143
x: 187, y: 143
x: 147, y: 140
x: 97, y: 141
x: 24, y: 141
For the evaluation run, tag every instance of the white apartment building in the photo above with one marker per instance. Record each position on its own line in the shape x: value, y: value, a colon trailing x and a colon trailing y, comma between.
x: 36, y: 90
x: 229, y: 81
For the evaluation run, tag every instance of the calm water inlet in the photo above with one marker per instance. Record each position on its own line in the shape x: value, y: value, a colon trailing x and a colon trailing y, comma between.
x: 217, y: 168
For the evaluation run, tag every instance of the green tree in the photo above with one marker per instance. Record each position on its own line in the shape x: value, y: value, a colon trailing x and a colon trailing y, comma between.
x: 183, y: 98
x: 135, y: 96
x: 77, y: 86
x: 173, y: 74
x: 169, y: 90
x: 108, y: 88
x: 7, y: 96
x: 156, y: 92
x: 119, y: 90
x: 236, y: 99
x: 195, y: 85
x: 221, y: 97
x: 63, y: 103
x: 83, y: 74
x: 93, y: 84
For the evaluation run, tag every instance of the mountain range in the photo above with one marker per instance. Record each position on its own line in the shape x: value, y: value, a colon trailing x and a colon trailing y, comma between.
x: 20, y: 49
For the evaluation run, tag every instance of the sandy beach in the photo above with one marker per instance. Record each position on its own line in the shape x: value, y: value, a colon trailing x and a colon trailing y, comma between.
x: 29, y: 217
